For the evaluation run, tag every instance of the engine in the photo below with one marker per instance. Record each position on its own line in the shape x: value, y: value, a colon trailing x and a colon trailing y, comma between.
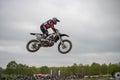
x: 48, y: 43
x: 51, y: 43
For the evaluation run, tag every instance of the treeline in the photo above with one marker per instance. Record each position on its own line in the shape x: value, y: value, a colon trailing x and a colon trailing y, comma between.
x: 75, y: 69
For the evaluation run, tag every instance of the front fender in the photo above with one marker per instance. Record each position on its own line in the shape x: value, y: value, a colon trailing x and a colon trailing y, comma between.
x: 64, y: 35
x: 61, y: 35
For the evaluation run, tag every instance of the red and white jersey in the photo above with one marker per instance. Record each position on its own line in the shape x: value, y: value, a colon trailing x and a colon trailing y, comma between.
x: 49, y: 24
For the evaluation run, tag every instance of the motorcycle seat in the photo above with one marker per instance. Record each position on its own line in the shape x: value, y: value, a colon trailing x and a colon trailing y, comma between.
x: 35, y: 34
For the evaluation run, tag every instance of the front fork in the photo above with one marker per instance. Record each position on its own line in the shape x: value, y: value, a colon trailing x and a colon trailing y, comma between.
x: 61, y: 41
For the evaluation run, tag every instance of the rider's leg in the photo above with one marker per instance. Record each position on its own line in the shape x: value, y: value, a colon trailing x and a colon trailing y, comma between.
x: 44, y: 31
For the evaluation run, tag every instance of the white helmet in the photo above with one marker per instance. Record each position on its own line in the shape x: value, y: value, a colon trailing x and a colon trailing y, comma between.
x: 55, y: 20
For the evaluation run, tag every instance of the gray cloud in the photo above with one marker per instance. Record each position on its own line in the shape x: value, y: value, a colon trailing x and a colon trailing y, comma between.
x: 93, y: 27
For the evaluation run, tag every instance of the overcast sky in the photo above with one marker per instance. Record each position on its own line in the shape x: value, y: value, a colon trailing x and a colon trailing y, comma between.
x: 93, y: 27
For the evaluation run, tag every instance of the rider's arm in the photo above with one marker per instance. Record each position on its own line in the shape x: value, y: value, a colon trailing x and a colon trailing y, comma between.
x: 54, y: 30
x: 52, y: 26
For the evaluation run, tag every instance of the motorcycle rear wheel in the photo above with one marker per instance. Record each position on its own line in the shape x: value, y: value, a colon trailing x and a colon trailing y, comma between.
x: 33, y: 46
x: 66, y: 47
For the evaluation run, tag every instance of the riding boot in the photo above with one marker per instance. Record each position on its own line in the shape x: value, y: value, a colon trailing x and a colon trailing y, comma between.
x: 44, y: 36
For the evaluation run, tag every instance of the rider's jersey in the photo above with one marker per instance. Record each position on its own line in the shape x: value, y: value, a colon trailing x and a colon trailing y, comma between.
x: 49, y: 24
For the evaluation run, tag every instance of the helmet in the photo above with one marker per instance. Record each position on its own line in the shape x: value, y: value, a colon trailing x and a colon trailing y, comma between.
x: 55, y: 20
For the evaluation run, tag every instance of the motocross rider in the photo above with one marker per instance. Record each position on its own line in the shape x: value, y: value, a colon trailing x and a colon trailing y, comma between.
x: 48, y: 24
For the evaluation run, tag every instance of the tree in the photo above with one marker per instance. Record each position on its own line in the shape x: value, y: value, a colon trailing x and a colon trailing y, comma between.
x: 113, y: 68
x: 86, y: 70
x: 95, y: 69
x: 74, y: 68
x: 44, y: 70
x: 65, y: 71
x: 104, y: 69
x: 11, y: 67
x: 22, y: 69
x: 1, y: 70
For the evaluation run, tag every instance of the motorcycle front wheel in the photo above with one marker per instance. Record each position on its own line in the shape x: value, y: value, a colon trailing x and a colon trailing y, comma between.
x: 33, y: 46
x: 65, y: 47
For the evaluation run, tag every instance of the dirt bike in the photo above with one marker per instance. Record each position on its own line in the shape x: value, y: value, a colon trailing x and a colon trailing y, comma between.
x: 64, y: 45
